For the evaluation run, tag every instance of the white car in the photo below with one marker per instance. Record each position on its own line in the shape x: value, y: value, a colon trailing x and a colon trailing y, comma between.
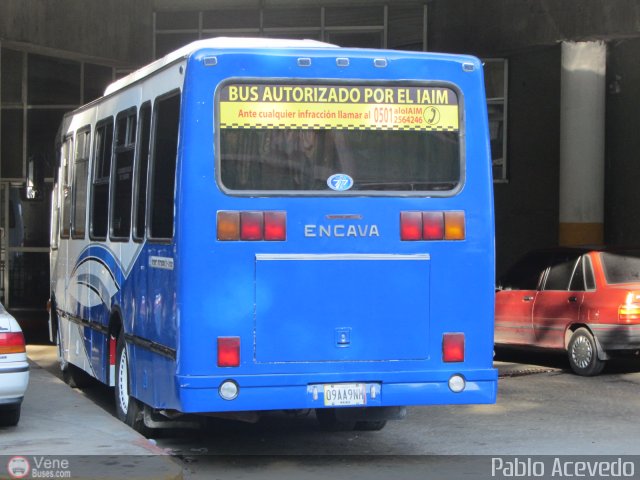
x: 14, y: 369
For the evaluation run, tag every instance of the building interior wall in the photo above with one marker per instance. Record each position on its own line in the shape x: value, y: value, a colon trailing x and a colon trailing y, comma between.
x: 35, y: 92
x: 527, y: 205
x: 495, y: 27
x: 622, y: 144
x: 55, y: 55
x: 115, y: 30
x: 396, y: 25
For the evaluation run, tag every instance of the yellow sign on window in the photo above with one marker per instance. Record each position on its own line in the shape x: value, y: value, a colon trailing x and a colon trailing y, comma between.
x: 338, y: 107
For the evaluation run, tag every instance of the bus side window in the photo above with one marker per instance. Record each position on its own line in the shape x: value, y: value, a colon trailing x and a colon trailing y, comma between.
x: 101, y: 173
x: 65, y: 181
x: 123, y: 174
x: 80, y: 179
x: 142, y: 167
x: 163, y: 173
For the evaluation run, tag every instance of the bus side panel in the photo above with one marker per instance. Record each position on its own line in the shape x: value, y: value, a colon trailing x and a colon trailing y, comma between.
x: 478, y: 195
x: 153, y: 378
x: 100, y: 355
x: 155, y: 320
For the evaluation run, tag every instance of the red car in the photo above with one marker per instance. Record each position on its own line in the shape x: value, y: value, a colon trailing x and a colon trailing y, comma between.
x: 584, y: 302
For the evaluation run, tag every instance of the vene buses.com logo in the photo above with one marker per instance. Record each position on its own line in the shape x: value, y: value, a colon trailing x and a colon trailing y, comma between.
x: 340, y: 182
x: 18, y: 467
x: 39, y: 467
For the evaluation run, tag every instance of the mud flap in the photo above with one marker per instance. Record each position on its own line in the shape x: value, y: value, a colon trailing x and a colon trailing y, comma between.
x: 153, y: 419
x: 602, y: 355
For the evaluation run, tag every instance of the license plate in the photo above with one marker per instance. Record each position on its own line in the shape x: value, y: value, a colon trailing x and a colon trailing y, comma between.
x: 345, y: 394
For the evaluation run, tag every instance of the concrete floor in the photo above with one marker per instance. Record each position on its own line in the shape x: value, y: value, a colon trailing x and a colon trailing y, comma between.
x: 61, y: 423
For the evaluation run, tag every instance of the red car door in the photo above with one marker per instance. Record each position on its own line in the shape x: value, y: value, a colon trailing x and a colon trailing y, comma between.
x: 557, y: 305
x: 513, y: 324
x: 516, y: 293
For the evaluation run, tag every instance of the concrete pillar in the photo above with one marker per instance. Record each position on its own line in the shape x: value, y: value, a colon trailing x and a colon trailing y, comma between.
x: 582, y: 124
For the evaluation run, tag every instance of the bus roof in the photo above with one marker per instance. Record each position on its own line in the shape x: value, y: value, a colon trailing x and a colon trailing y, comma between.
x: 218, y: 42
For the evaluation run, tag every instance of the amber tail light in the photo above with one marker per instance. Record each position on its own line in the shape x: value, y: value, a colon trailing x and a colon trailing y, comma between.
x: 629, y: 312
x: 12, y: 343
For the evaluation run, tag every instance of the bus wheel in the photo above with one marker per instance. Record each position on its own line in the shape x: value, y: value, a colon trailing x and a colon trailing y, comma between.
x: 75, y: 377
x: 128, y: 409
x: 583, y: 354
x: 329, y: 421
x: 370, y: 426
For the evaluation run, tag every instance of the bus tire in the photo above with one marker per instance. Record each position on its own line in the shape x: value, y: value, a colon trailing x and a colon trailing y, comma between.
x: 128, y: 409
x: 329, y: 421
x: 75, y: 377
x: 370, y: 425
x: 583, y: 354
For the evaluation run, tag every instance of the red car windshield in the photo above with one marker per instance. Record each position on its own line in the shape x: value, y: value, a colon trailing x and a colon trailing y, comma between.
x: 621, y: 268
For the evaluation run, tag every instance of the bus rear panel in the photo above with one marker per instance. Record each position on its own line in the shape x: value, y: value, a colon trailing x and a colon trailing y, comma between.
x: 335, y: 234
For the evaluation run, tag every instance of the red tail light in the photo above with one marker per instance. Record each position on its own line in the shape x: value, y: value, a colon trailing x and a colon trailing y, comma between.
x: 438, y: 225
x: 432, y: 226
x: 411, y: 225
x: 275, y: 226
x: 453, y: 347
x: 228, y: 351
x: 629, y: 312
x: 12, y: 343
x: 251, y: 226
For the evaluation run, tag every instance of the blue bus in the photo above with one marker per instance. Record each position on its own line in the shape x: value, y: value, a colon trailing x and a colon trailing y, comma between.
x: 249, y: 225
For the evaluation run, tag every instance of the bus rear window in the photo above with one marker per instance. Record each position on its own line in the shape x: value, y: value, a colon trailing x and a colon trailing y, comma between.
x: 343, y: 138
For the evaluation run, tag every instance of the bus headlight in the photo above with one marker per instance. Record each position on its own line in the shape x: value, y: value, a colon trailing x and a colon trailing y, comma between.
x: 457, y: 383
x: 229, y: 390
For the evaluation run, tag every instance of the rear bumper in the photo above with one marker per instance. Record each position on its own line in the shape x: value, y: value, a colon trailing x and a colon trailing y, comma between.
x: 285, y: 392
x: 617, y: 337
x: 14, y: 378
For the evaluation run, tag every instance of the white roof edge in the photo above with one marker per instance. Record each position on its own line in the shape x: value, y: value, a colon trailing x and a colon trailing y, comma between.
x: 217, y: 42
